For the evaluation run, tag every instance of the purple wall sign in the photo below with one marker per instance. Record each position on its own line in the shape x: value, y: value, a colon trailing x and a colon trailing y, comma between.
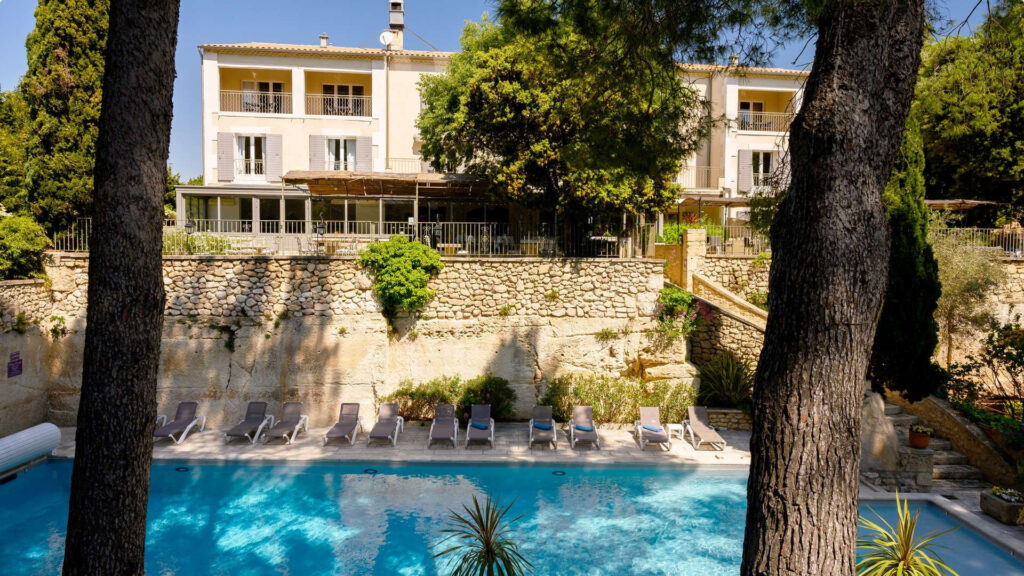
x: 14, y: 366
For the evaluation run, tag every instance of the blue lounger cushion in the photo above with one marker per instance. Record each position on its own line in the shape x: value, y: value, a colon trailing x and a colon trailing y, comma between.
x: 540, y: 426
x: 479, y: 425
x: 584, y: 428
x: 653, y: 428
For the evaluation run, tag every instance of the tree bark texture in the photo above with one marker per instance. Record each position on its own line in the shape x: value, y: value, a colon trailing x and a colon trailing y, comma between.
x: 117, y: 415
x: 830, y: 260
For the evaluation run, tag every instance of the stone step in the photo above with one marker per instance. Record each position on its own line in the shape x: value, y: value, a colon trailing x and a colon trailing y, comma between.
x: 948, y: 457
x: 893, y: 409
x: 956, y: 472
x: 940, y: 445
x: 904, y: 420
x: 950, y: 486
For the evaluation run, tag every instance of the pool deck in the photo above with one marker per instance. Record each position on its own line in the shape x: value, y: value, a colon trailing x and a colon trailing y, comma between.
x: 618, y: 448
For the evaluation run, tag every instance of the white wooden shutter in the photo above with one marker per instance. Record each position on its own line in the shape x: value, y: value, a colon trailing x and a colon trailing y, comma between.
x: 364, y: 154
x: 273, y: 157
x: 225, y: 156
x: 745, y: 176
x: 317, y: 152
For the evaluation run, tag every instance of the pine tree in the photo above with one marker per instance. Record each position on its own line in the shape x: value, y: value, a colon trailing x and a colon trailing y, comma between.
x: 62, y: 91
x: 901, y: 359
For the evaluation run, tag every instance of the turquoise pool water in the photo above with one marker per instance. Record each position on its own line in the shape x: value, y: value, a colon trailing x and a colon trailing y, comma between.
x: 325, y: 519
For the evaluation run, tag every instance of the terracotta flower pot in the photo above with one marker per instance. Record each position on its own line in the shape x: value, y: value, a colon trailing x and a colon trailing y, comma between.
x: 919, y: 440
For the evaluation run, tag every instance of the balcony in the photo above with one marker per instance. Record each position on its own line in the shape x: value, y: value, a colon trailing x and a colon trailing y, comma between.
x: 408, y: 166
x: 255, y: 102
x: 328, y: 105
x: 765, y: 121
x: 698, y: 178
x: 247, y: 167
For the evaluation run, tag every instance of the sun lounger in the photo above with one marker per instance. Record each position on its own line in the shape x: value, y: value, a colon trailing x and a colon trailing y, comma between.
x: 445, y: 425
x: 389, y: 423
x: 701, y: 431
x: 251, y: 427
x: 481, y: 425
x: 292, y: 421
x: 347, y: 427
x: 184, y: 419
x: 649, y: 429
x: 582, y: 428
x: 542, y: 426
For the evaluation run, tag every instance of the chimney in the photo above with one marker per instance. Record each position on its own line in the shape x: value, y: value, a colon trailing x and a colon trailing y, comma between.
x: 323, y: 40
x: 396, y: 24
x: 734, y: 60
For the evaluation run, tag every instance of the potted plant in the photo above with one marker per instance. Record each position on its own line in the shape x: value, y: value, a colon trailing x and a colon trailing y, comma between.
x: 1004, y: 504
x: 920, y: 436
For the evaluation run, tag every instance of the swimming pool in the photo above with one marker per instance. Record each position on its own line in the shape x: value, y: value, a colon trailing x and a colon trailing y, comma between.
x: 318, y: 519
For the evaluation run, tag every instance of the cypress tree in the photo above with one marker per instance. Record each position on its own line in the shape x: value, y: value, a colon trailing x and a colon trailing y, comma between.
x: 13, y: 134
x: 901, y: 358
x: 62, y: 92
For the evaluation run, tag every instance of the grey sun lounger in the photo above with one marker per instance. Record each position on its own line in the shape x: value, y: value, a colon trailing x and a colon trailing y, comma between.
x: 445, y: 425
x: 291, y: 422
x: 483, y: 431
x: 701, y: 431
x: 251, y: 427
x: 184, y: 419
x: 388, y: 425
x: 347, y: 427
x: 542, y: 426
x: 649, y: 429
x: 582, y: 428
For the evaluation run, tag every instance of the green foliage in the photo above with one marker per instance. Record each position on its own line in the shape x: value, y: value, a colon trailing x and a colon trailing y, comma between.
x: 230, y: 334
x: 563, y: 116
x: 179, y: 242
x: 551, y: 296
x: 417, y: 401
x: 678, y: 313
x: 22, y: 245
x: 1008, y: 494
x: 970, y: 101
x: 896, y: 551
x: 58, y: 327
x: 13, y: 135
x: 401, y: 270
x: 998, y: 367
x: 967, y: 275
x: 759, y: 298
x: 20, y: 323
x: 726, y: 381
x: 62, y: 91
x: 921, y: 429
x: 673, y: 233
x: 505, y: 310
x: 906, y: 337
x: 616, y: 399
x: 606, y: 335
x: 481, y: 542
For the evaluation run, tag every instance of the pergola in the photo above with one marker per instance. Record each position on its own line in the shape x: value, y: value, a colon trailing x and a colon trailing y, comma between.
x: 387, y: 184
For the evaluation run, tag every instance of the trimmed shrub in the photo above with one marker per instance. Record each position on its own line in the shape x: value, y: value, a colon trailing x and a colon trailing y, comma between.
x: 616, y: 399
x: 678, y: 313
x: 401, y: 269
x: 726, y: 381
x: 416, y: 401
x: 22, y: 244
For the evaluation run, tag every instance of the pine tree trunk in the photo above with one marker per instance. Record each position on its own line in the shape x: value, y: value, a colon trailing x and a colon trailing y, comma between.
x: 116, y: 417
x: 830, y: 258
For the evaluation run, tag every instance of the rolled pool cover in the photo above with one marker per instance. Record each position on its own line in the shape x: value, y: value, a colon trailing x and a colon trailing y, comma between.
x: 27, y: 445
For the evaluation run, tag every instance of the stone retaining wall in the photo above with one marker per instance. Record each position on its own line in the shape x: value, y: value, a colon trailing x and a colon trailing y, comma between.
x: 23, y: 398
x: 743, y: 275
x: 729, y: 418
x: 310, y: 329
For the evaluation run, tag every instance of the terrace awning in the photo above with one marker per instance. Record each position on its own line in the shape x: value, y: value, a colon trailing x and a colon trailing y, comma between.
x: 706, y: 200
x: 957, y: 203
x: 379, y: 184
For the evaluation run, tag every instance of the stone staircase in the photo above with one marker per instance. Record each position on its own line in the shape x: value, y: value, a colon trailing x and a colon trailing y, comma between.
x: 951, y: 471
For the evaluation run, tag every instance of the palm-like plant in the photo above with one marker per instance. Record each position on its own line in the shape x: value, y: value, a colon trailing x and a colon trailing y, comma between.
x: 481, y: 542
x: 896, y: 551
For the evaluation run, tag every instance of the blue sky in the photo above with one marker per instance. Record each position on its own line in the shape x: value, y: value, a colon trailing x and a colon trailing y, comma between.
x: 348, y: 22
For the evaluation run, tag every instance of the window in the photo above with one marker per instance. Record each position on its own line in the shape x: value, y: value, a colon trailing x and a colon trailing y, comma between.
x: 751, y: 113
x: 262, y: 96
x: 249, y: 157
x: 345, y: 100
x: 761, y: 167
x: 341, y: 154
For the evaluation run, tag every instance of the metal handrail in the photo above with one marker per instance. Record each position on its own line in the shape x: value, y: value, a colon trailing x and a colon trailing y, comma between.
x: 255, y: 101
x: 765, y: 121
x: 330, y: 105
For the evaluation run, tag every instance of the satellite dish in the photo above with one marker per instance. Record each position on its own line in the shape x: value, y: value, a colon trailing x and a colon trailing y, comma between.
x: 387, y: 37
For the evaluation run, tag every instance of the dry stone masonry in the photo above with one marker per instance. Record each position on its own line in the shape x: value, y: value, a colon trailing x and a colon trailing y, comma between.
x: 310, y: 329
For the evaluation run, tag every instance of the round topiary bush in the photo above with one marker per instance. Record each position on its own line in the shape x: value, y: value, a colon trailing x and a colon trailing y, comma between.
x: 22, y: 244
x: 401, y: 270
